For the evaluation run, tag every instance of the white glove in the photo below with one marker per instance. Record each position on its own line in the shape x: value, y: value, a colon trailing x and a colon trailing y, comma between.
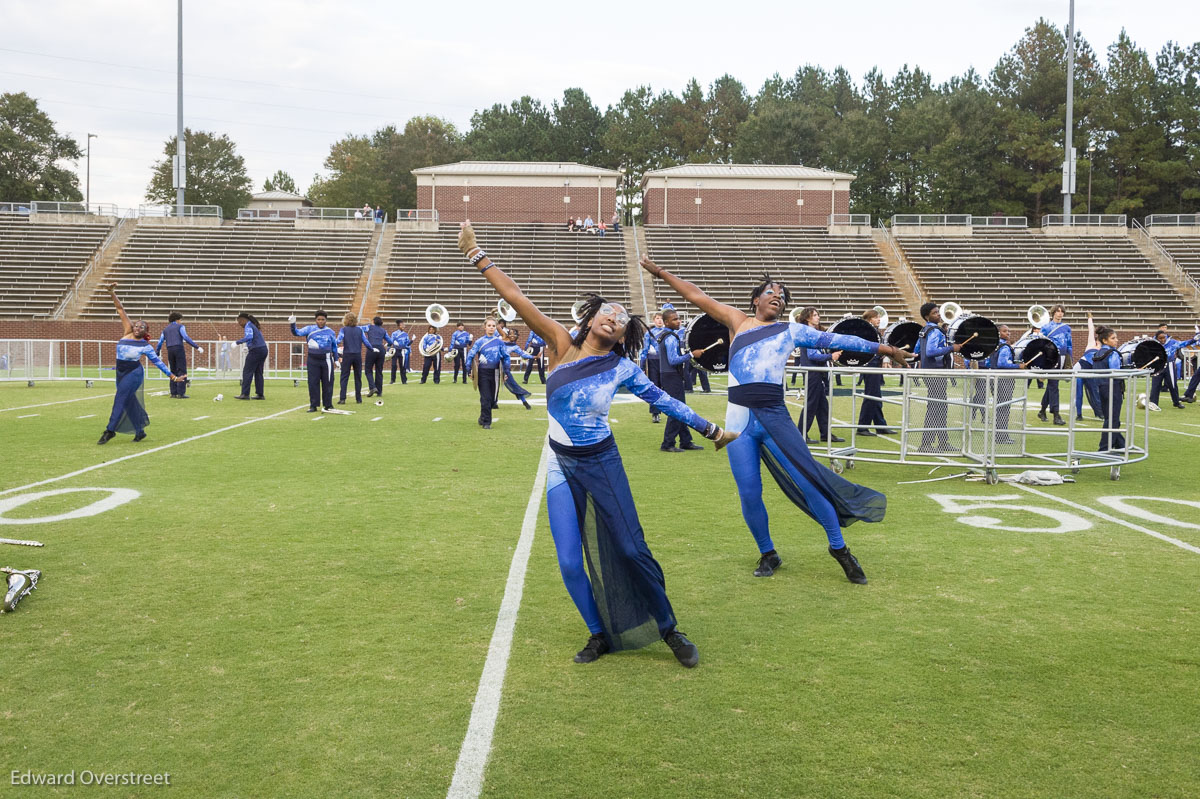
x: 292, y: 319
x: 200, y: 350
x: 374, y: 349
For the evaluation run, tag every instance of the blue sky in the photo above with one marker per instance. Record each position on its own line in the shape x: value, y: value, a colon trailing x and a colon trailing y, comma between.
x: 286, y: 79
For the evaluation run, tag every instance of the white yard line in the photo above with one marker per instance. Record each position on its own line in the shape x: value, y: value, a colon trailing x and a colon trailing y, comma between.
x: 86, y: 416
x: 1176, y: 432
x: 28, y: 415
x: 377, y: 418
x: 60, y: 402
x: 477, y: 745
x: 1113, y: 519
x: 198, y: 418
x: 151, y: 451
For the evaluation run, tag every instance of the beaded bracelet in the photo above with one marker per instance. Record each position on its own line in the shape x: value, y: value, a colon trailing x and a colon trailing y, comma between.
x: 477, y: 257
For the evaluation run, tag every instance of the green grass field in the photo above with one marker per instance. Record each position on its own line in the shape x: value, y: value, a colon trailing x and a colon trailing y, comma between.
x: 301, y: 607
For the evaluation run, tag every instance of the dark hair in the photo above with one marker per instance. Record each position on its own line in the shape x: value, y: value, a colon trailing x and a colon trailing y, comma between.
x: 1103, y: 332
x: 761, y: 287
x: 378, y: 321
x: 670, y: 313
x: 1058, y: 307
x: 629, y: 346
x: 926, y: 309
x: 250, y: 318
x: 806, y: 313
x: 460, y: 324
x: 1163, y: 324
x: 320, y: 313
x: 174, y: 316
x: 399, y: 321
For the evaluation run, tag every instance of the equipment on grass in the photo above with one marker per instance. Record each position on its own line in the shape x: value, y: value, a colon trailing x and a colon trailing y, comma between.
x: 21, y: 542
x: 20, y: 583
x: 218, y: 398
x: 378, y: 402
x: 850, y: 325
x: 706, y: 334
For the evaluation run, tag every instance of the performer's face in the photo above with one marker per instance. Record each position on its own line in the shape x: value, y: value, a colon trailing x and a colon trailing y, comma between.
x: 770, y: 303
x: 935, y: 316
x: 489, y: 328
x: 1003, y: 331
x: 610, y: 322
x: 1058, y: 314
x: 1110, y: 340
x: 320, y: 321
x: 140, y: 329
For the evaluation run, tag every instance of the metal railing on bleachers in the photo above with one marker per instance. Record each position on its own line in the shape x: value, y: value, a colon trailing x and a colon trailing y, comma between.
x: 1173, y: 220
x: 1085, y: 220
x: 158, y: 210
x: 930, y: 220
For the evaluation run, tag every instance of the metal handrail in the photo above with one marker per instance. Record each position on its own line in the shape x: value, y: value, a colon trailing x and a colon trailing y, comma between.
x: 849, y: 219
x: 161, y: 210
x: 60, y: 309
x: 930, y: 220
x: 1085, y: 220
x: 638, y: 254
x: 371, y: 275
x: 1000, y: 221
x: 416, y: 215
x: 1173, y: 220
x: 1180, y: 272
x: 900, y: 259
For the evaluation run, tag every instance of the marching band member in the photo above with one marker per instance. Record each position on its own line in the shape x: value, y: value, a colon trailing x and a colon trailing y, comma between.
x: 936, y: 353
x: 487, y: 356
x: 1190, y: 394
x: 871, y: 411
x: 256, y: 356
x: 322, y: 352
x: 1002, y: 358
x: 175, y: 335
x: 1169, y: 375
x: 377, y: 344
x: 402, y: 345
x: 350, y: 340
x: 649, y: 360
x: 588, y: 499
x: 1059, y: 332
x: 758, y: 355
x: 534, y: 346
x: 1111, y: 392
x: 432, y: 361
x: 129, y: 409
x: 460, y: 342
x: 816, y: 389
x: 671, y: 360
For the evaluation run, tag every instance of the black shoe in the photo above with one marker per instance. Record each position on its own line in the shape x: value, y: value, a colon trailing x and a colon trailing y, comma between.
x: 358, y: 402
x: 885, y: 431
x: 140, y: 436
x: 370, y: 393
x: 670, y: 449
x: 392, y: 383
x: 768, y: 563
x: 854, y: 572
x: 834, y: 439
x: 525, y: 402
x: 106, y: 437
x: 487, y: 426
x: 691, y: 445
x: 596, y: 646
x: 242, y: 396
x: 808, y: 440
x: 183, y: 396
x: 329, y: 407
x: 1178, y: 405
x: 1189, y: 399
x: 342, y: 401
x: 1058, y: 420
x: 1078, y: 418
x: 867, y: 433
x: 1042, y: 416
x: 654, y: 417
x: 311, y: 410
x: 685, y: 651
x: 259, y: 397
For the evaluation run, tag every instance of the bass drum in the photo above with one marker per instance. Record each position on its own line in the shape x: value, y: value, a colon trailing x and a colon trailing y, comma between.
x: 1039, y: 351
x: 855, y: 326
x: 702, y: 333
x: 979, y: 336
x: 902, y: 335
x: 1143, y: 353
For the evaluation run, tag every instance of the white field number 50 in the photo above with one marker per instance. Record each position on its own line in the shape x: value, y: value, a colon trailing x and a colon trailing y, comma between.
x: 969, y: 506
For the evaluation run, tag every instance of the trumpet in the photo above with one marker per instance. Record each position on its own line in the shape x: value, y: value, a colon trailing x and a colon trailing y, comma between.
x: 577, y: 311
x: 505, y: 311
x: 437, y: 315
x: 1037, y: 316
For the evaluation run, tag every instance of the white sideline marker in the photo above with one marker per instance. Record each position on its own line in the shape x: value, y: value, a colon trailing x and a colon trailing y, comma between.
x: 1159, y: 429
x: 60, y: 402
x: 477, y: 745
x: 198, y: 418
x: 86, y: 416
x: 28, y: 415
x: 1113, y: 519
x: 151, y: 451
x: 377, y: 418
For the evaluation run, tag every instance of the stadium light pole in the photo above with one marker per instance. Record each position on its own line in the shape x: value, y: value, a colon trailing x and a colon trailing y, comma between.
x: 180, y: 144
x: 87, y: 197
x: 1091, y: 149
x: 1068, y: 154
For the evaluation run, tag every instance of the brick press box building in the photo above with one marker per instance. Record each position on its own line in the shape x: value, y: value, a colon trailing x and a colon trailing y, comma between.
x: 517, y: 191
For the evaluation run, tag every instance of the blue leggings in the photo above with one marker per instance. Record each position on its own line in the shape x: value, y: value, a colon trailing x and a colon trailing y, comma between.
x: 745, y: 461
x: 568, y: 544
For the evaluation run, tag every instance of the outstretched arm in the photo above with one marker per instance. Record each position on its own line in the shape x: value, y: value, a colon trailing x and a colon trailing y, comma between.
x: 555, y: 335
x: 731, y: 317
x: 112, y: 290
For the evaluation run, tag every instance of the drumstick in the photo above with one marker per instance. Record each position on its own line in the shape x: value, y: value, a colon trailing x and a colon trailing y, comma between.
x: 710, y: 346
x: 968, y: 341
x: 1034, y: 358
x: 1152, y: 360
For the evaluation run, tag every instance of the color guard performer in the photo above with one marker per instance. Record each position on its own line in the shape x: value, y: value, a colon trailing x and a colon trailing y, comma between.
x: 402, y: 345
x: 322, y: 353
x: 510, y: 382
x: 460, y: 342
x: 758, y: 355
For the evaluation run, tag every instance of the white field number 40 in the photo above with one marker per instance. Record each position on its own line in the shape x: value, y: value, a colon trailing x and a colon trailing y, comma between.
x: 1055, y: 521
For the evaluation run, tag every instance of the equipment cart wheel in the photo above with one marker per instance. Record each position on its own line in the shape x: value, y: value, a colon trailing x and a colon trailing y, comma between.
x: 838, y: 466
x: 990, y: 477
x: 849, y: 464
x: 1114, y: 473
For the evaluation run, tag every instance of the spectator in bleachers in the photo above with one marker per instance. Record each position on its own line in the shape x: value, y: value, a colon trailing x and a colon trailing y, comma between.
x: 378, y: 215
x: 578, y: 223
x: 588, y: 225
x: 616, y: 222
x: 351, y: 339
x: 570, y: 224
x: 600, y: 229
x: 358, y: 214
x: 401, y: 350
x: 175, y: 336
x: 366, y: 211
x: 256, y: 356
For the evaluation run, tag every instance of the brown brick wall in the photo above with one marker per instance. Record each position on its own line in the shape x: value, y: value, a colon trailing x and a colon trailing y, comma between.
x: 741, y: 206
x: 515, y: 204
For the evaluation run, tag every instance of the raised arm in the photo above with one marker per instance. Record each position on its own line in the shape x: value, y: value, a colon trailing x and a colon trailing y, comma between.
x: 112, y: 290
x: 554, y: 334
x: 726, y: 314
x: 1091, y: 339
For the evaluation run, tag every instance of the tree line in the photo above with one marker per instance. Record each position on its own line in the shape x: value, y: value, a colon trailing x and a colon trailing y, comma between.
x: 973, y: 144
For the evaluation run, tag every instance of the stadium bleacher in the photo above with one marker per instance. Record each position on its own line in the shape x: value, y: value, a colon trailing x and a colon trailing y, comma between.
x: 1186, y: 252
x: 552, y: 265
x: 999, y: 274
x: 837, y: 274
x: 38, y: 262
x: 268, y: 268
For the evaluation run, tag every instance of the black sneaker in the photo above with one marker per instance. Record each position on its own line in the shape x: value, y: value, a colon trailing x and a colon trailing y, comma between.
x: 768, y: 563
x: 342, y: 401
x: 596, y: 646
x: 106, y: 437
x: 311, y: 410
x: 242, y: 396
x: 690, y: 446
x: 1058, y: 420
x: 670, y: 449
x: 525, y: 402
x: 1042, y: 416
x: 834, y: 439
x: 1189, y: 399
x: 140, y: 436
x: 260, y: 397
x: 685, y: 651
x: 866, y: 433
x: 654, y: 418
x: 854, y: 572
